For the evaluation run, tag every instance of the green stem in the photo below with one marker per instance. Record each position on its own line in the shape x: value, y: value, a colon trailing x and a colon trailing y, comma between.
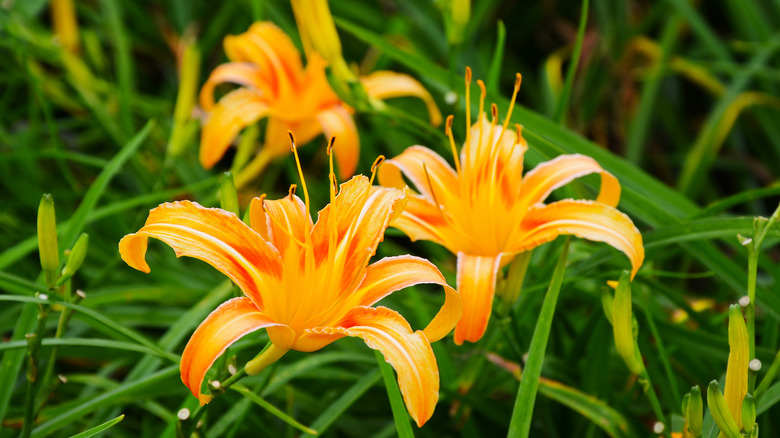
x: 65, y: 289
x: 647, y: 386
x: 750, y: 311
x: 254, y: 168
x: 520, y: 425
x: 662, y: 353
x: 768, y: 378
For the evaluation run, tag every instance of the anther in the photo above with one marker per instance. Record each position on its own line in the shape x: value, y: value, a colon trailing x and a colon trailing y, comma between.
x: 518, y: 81
x: 448, y: 125
x: 448, y: 131
x: 494, y: 112
x: 330, y: 145
x: 379, y: 160
x: 292, y: 140
x: 291, y: 190
x: 468, y: 75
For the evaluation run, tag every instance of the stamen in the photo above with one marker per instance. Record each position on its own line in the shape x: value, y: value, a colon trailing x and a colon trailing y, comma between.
x: 518, y: 81
x: 291, y: 190
x: 482, y: 96
x: 448, y: 131
x: 300, y: 170
x: 468, y: 105
x: 433, y: 193
x: 286, y: 231
x: 331, y: 174
x: 374, y: 167
x: 494, y: 116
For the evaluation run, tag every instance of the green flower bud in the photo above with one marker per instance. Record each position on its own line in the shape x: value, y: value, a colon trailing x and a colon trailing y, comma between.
x: 623, y: 325
x: 228, y: 198
x: 748, y: 413
x: 47, y: 240
x: 685, y: 400
x: 720, y: 412
x: 695, y: 412
x: 75, y: 258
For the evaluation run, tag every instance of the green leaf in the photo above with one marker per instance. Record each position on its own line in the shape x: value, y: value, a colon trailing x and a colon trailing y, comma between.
x: 402, y: 425
x: 98, y: 429
x: 256, y: 399
x: 346, y: 400
x: 520, y: 425
x: 95, y: 192
x: 107, y: 398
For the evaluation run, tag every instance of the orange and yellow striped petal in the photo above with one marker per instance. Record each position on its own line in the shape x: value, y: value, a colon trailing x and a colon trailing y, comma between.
x: 410, y: 353
x: 241, y: 73
x: 421, y: 165
x: 395, y: 273
x: 550, y: 175
x: 421, y: 220
x: 280, y: 220
x: 586, y: 219
x: 231, y: 321
x: 337, y: 122
x: 388, y: 84
x: 235, y: 111
x: 215, y: 236
x: 476, y: 286
x: 362, y: 214
x: 272, y: 51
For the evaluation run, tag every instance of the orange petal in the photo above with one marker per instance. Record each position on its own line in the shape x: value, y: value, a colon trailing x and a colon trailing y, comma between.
x: 362, y: 214
x: 421, y: 220
x: 476, y: 286
x: 212, y: 235
x: 492, y: 151
x: 408, y: 352
x: 278, y: 141
x: 388, y: 84
x: 443, y: 179
x: 337, y: 122
x: 586, y: 219
x: 272, y: 51
x: 242, y: 73
x: 279, y: 220
x: 235, y: 111
x: 395, y: 273
x: 228, y: 323
x: 550, y: 175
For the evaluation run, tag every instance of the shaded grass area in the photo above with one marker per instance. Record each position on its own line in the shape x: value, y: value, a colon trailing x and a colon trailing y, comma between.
x: 677, y: 100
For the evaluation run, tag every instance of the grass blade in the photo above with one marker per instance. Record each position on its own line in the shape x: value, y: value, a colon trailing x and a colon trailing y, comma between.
x: 344, y: 402
x: 563, y: 102
x: 400, y: 416
x: 520, y: 425
x: 256, y: 399
x: 98, y: 429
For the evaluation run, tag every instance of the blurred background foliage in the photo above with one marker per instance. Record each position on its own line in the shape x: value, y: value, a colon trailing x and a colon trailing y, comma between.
x: 678, y: 99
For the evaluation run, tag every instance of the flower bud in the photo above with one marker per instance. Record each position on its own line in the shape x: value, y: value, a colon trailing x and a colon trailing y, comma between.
x: 737, y: 368
x: 748, y: 413
x: 686, y: 399
x: 720, y: 411
x: 75, y: 258
x: 694, y: 412
x: 623, y: 325
x: 228, y: 197
x: 47, y: 240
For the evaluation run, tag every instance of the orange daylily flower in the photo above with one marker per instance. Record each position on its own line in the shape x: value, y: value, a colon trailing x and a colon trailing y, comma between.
x: 486, y: 211
x: 275, y: 85
x: 308, y: 284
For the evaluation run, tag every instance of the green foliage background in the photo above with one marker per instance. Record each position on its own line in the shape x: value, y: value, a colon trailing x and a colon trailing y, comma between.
x: 664, y: 97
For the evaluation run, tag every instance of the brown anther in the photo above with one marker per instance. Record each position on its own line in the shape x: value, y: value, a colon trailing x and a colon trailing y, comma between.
x: 468, y: 75
x: 291, y: 190
x: 448, y: 125
x: 494, y: 111
x: 292, y: 140
x: 378, y: 162
x: 330, y: 144
x: 518, y: 81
